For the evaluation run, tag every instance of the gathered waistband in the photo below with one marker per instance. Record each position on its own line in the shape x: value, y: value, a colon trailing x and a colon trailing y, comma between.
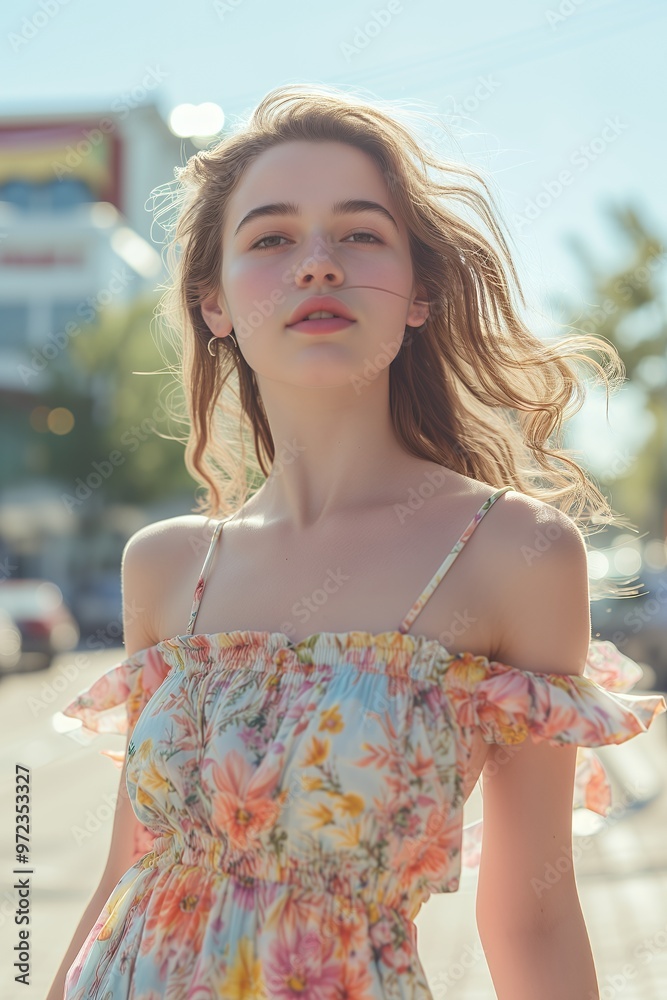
x: 351, y: 889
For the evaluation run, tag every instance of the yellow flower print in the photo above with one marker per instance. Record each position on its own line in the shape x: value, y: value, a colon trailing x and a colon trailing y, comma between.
x: 561, y: 680
x: 351, y: 804
x: 244, y: 978
x: 350, y: 836
x: 154, y: 782
x: 283, y: 659
x: 143, y: 798
x: 356, y: 640
x: 318, y: 752
x: 108, y: 928
x: 144, y: 750
x: 311, y: 783
x: 469, y: 668
x: 110, y: 912
x: 331, y: 719
x: 322, y: 815
x: 514, y: 734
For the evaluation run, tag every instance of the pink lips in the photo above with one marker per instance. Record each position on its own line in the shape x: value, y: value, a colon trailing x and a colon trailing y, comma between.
x: 326, y: 325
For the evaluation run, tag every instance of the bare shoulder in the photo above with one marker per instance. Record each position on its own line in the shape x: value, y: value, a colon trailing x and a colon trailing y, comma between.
x: 163, y: 539
x: 150, y: 558
x: 528, y: 527
x: 541, y: 594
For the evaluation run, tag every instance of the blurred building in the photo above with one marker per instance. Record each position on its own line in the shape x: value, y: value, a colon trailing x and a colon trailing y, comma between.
x: 75, y: 238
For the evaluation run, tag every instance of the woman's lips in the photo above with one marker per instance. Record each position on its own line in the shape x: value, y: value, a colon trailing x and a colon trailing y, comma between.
x: 328, y: 325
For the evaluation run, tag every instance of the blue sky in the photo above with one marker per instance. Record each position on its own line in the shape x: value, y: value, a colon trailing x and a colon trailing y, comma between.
x: 538, y: 83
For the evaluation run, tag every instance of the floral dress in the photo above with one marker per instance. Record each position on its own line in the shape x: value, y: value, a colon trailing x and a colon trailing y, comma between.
x: 299, y: 801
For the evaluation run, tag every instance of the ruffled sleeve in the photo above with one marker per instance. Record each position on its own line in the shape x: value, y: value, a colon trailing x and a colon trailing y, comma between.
x: 114, y: 702
x: 589, y: 710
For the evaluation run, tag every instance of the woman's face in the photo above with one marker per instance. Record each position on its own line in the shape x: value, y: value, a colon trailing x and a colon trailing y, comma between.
x: 276, y: 259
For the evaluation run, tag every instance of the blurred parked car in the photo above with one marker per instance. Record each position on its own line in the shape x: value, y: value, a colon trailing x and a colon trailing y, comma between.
x: 10, y: 643
x: 99, y: 603
x: 44, y: 621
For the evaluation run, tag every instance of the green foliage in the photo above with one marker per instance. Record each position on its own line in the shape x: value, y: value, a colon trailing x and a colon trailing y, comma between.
x: 629, y: 311
x: 119, y: 416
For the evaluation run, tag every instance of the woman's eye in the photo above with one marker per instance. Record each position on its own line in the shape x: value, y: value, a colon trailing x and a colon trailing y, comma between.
x: 258, y: 244
x: 372, y: 236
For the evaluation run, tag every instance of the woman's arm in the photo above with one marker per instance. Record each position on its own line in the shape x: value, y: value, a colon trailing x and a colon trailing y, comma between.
x: 128, y: 837
x: 121, y: 856
x: 528, y: 911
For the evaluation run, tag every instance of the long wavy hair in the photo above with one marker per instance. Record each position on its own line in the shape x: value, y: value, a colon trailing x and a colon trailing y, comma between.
x: 472, y: 389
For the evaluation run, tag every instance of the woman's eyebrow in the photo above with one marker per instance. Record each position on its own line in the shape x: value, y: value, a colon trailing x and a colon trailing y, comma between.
x: 349, y: 205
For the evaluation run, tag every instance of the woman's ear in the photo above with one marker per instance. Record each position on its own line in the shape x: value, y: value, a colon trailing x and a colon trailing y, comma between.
x: 419, y: 309
x: 216, y: 316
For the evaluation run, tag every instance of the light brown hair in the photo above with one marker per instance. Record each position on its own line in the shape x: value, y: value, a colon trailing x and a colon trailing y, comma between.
x: 472, y: 389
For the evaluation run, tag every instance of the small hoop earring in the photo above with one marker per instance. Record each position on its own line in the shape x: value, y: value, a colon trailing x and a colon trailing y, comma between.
x: 214, y: 352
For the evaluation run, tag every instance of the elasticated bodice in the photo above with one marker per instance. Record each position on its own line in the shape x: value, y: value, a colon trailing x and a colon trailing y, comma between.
x: 299, y: 801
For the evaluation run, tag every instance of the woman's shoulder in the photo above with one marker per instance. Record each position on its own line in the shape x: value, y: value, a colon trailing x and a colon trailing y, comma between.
x: 541, y: 595
x: 158, y: 560
x: 518, y: 519
x: 532, y: 559
x: 527, y: 527
x: 157, y: 544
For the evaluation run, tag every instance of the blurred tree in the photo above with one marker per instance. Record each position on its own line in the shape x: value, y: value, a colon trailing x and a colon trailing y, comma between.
x: 630, y: 313
x: 114, y: 451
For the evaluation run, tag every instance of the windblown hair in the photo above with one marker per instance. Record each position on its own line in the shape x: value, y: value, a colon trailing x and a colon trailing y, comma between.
x: 472, y: 389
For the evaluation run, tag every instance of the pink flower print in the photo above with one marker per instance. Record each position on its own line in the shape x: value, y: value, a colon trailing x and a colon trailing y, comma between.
x: 394, y: 953
x: 421, y: 766
x: 356, y: 981
x: 301, y: 965
x: 429, y: 853
x: 179, y: 911
x: 199, y: 590
x: 245, y: 806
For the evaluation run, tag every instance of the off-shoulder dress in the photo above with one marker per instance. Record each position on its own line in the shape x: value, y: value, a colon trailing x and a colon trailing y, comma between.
x: 301, y: 800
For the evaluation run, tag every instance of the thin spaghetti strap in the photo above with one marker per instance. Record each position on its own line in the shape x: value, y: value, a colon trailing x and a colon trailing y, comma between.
x: 439, y: 574
x: 203, y: 576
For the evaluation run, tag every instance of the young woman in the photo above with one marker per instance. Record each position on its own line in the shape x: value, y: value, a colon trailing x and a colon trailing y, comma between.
x: 299, y: 750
